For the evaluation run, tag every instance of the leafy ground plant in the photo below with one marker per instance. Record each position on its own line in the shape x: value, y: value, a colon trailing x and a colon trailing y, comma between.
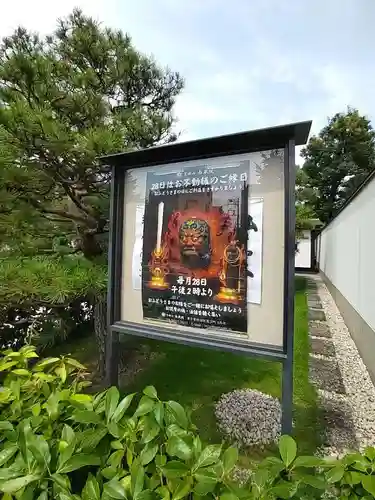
x: 56, y: 442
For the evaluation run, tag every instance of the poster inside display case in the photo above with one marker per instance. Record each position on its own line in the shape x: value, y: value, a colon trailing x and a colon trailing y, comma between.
x: 194, y: 256
x: 199, y: 255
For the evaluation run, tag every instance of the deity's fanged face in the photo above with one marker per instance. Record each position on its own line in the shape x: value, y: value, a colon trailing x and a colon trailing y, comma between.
x: 194, y: 236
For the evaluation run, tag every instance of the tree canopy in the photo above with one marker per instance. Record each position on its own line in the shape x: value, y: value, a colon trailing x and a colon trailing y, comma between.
x: 65, y: 100
x: 337, y: 161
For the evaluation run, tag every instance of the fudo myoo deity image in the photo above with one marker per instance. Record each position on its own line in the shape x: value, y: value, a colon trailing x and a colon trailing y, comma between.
x: 195, y: 249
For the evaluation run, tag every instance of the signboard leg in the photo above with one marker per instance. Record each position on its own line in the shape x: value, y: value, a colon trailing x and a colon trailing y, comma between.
x: 287, y: 396
x: 112, y: 358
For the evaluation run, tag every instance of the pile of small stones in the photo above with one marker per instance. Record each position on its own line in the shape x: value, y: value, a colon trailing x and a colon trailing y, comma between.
x: 249, y: 417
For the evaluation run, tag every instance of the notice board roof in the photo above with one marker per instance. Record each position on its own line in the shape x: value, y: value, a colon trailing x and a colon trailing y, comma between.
x: 242, y: 142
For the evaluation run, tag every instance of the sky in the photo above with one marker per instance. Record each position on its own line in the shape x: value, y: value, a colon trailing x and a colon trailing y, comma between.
x: 247, y: 63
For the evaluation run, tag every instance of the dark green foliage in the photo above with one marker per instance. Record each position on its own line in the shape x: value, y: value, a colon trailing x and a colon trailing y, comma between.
x: 336, y: 162
x: 65, y: 100
x: 56, y: 442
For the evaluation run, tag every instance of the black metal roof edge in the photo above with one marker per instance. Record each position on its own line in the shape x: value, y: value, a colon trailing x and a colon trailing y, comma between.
x: 354, y: 195
x: 240, y: 142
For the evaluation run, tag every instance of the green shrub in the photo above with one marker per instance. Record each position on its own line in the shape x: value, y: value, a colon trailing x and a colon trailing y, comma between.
x: 56, y: 442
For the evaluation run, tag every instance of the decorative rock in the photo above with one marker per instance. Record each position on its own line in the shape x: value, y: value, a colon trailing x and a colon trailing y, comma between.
x: 249, y: 417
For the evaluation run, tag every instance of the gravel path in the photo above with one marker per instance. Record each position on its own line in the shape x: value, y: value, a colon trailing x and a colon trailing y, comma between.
x: 358, y: 402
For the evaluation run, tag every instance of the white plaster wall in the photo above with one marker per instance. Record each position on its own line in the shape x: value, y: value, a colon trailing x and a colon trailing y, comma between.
x: 303, y: 256
x: 347, y: 253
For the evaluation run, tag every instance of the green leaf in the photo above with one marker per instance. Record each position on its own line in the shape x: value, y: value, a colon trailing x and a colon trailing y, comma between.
x: 287, y: 449
x: 21, y: 372
x: 334, y: 475
x: 111, y: 401
x: 175, y: 468
x: 109, y: 472
x: 40, y: 449
x: 175, y: 430
x: 202, y: 488
x: 228, y: 495
x: 74, y: 363
x: 150, y: 391
x: 4, y: 366
x: 30, y: 354
x: 314, y: 481
x: 122, y: 407
x: 137, y: 478
x: 368, y: 482
x: 179, y: 413
x: 210, y: 455
x: 151, y: 429
x: 159, y: 413
x: 114, y: 489
x: 78, y: 461
x: 285, y: 490
x: 82, y: 399
x: 370, y: 453
x: 86, y: 417
x: 5, y: 425
x: 13, y: 485
x: 230, y: 458
x: 8, y: 473
x: 7, y: 453
x: 62, y: 481
x: 183, y: 489
x: 148, y: 453
x: 43, y: 496
x: 115, y: 458
x: 68, y: 434
x: 24, y: 432
x: 163, y: 492
x: 90, y: 438
x: 45, y: 362
x: 115, y: 430
x: 356, y: 477
x: 146, y: 405
x: 177, y: 447
x: 145, y: 495
x: 206, y: 475
x: 307, y: 461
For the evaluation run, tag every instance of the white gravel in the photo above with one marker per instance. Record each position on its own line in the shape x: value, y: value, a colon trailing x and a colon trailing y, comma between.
x: 360, y: 391
x: 249, y: 417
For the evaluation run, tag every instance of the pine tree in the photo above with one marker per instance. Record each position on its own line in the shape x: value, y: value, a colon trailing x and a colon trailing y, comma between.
x: 80, y: 93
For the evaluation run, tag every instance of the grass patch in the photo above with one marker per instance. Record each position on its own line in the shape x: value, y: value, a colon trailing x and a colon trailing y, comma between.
x: 197, y: 378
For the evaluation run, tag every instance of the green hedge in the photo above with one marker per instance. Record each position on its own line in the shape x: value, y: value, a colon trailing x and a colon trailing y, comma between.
x: 59, y: 443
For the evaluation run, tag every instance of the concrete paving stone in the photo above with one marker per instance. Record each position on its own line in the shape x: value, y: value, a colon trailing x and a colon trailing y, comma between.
x: 313, y: 304
x: 314, y: 297
x: 316, y: 314
x: 325, y: 374
x: 319, y: 329
x: 322, y: 346
x: 338, y: 423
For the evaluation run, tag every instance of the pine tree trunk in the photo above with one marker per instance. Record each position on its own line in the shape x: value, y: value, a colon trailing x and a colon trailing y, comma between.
x: 100, y: 328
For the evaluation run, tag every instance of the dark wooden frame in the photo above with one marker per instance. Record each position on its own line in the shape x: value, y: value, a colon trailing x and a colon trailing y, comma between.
x: 287, y: 137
